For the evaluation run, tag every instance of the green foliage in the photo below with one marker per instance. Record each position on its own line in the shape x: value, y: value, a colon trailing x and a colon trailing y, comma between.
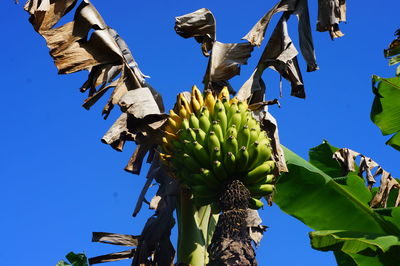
x: 363, y: 248
x: 385, y: 111
x: 74, y: 260
x: 338, y: 208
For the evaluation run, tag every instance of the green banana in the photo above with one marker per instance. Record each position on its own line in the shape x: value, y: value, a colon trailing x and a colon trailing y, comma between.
x: 201, y: 154
x: 185, y: 124
x: 236, y: 119
x: 204, y: 122
x: 243, y: 136
x: 262, y: 153
x: 232, y: 131
x: 220, y: 115
x: 209, y: 178
x: 213, y: 139
x: 216, y: 127
x: 189, y: 162
x: 229, y: 162
x: 259, y: 173
x: 193, y: 121
x: 219, y: 171
x: 230, y: 145
x: 261, y: 190
x: 203, y: 191
x: 200, y: 136
x: 255, y: 204
x: 242, y: 158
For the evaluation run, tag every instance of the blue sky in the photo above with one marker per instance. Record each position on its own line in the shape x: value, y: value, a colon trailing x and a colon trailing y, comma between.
x: 59, y: 182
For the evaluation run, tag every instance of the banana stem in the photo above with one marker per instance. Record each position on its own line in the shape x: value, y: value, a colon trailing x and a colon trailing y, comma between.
x: 194, y: 230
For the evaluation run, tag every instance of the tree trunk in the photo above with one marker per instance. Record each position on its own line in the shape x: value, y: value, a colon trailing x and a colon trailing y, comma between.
x: 231, y: 242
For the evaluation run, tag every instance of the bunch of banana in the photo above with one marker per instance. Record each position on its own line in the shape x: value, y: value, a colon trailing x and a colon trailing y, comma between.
x: 211, y: 139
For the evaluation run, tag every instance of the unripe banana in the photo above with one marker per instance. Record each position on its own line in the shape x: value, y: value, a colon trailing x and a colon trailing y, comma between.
x: 220, y: 115
x: 190, y: 162
x: 200, y: 136
x: 236, y: 119
x: 261, y: 190
x: 194, y: 121
x: 202, y: 191
x: 232, y: 131
x: 255, y: 204
x: 212, y: 139
x: 201, y: 154
x: 243, y: 158
x: 216, y: 127
x: 243, y: 136
x: 262, y: 153
x: 209, y: 178
x: 230, y: 145
x: 219, y: 171
x: 233, y: 108
x: 204, y: 122
x: 259, y: 173
x: 253, y: 135
x: 229, y: 162
x: 192, y: 134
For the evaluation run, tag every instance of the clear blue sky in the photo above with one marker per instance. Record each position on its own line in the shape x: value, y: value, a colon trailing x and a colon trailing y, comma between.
x: 59, y: 182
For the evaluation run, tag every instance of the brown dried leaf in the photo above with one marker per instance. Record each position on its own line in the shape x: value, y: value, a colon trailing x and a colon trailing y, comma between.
x: 256, y: 230
x: 139, y: 103
x: 280, y: 54
x: 298, y: 7
x: 366, y: 165
x: 254, y: 88
x: 346, y: 159
x: 118, y: 133
x: 113, y: 257
x: 45, y: 14
x: 226, y: 59
x: 269, y: 124
x: 135, y: 162
x: 199, y: 24
x: 256, y: 35
x: 330, y: 14
x: 115, y: 239
x: 387, y: 184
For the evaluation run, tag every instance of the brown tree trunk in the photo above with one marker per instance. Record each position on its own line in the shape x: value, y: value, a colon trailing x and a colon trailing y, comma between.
x: 231, y: 243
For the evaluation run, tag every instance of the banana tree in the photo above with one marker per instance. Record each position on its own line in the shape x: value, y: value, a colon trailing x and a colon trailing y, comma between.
x: 234, y: 141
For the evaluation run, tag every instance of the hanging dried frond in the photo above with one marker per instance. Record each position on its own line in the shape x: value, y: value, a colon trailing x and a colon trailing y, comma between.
x: 226, y: 59
x: 347, y: 159
x: 199, y: 24
x: 330, y: 14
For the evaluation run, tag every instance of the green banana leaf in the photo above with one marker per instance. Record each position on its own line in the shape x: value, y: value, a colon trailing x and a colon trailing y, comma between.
x: 313, y: 197
x: 321, y: 202
x: 363, y: 248
x: 385, y: 112
x: 79, y: 259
